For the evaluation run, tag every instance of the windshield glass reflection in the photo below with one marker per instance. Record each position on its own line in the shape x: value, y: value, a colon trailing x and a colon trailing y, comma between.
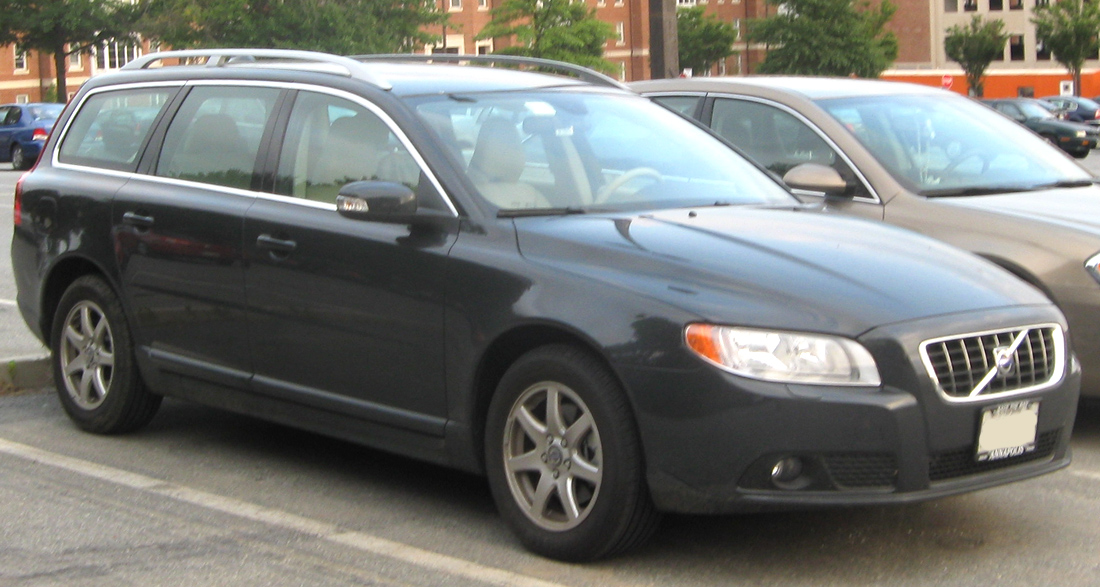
x: 545, y: 151
x: 951, y: 145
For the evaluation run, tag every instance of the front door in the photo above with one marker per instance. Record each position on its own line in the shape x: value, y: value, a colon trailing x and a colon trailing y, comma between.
x: 347, y: 315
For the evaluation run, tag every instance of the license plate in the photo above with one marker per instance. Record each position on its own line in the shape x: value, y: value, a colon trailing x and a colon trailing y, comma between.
x: 1007, y: 430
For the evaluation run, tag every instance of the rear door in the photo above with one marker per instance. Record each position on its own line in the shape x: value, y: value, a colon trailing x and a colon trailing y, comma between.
x: 177, y: 231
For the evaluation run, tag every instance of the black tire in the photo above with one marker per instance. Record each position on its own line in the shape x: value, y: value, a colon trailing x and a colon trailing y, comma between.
x: 1081, y: 154
x: 18, y: 158
x: 593, y: 460
x: 93, y: 361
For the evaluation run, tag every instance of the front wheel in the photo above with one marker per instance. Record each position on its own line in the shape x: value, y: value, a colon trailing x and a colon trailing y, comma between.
x: 564, y: 460
x: 93, y: 361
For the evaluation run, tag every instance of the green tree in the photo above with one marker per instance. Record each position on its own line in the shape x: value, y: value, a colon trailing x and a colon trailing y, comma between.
x: 974, y: 46
x: 551, y: 29
x: 704, y: 40
x: 63, y: 27
x: 827, y: 37
x: 335, y: 26
x: 1068, y: 28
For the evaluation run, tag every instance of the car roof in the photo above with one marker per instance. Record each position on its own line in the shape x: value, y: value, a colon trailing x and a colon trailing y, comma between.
x: 813, y: 88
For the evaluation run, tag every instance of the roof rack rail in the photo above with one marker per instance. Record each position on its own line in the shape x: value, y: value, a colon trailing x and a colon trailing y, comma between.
x: 230, y: 57
x: 584, y: 73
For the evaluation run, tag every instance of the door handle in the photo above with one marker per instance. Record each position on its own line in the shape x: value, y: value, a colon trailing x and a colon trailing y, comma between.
x: 276, y: 245
x: 137, y: 220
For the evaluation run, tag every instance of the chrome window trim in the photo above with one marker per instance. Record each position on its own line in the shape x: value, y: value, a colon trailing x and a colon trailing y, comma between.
x: 1055, y: 378
x: 370, y: 106
x: 874, y: 199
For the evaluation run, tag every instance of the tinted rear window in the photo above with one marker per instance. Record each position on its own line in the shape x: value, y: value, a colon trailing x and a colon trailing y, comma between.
x: 111, y: 127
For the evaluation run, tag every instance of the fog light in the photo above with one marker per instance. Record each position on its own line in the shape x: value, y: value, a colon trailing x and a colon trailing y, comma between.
x: 787, y: 473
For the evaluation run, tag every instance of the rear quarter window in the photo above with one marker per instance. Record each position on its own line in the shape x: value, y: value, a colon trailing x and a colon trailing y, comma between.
x: 110, y: 128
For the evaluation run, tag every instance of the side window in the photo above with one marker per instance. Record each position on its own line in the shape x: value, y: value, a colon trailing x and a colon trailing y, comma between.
x: 685, y: 105
x: 14, y: 114
x: 215, y: 137
x: 4, y: 116
x: 777, y: 139
x: 331, y: 142
x: 111, y: 127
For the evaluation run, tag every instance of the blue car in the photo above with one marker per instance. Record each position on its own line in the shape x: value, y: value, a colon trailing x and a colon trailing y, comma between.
x: 24, y: 129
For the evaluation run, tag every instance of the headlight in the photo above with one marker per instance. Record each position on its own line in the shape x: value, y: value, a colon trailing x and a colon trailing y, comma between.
x: 786, y: 357
x: 1093, y: 266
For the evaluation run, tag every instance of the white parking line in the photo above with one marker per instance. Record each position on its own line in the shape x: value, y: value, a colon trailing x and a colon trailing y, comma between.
x: 273, y: 517
x: 1086, y: 474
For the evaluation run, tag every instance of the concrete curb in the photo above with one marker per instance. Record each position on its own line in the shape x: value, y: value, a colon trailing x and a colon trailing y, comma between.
x: 29, y: 372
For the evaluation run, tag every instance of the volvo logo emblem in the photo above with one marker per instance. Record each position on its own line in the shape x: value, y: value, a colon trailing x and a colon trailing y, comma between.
x: 1005, y: 360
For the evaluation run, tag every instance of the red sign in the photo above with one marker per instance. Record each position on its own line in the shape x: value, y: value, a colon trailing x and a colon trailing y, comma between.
x: 946, y: 81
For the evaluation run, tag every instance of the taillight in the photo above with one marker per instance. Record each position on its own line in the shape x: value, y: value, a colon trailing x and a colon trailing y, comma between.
x: 40, y: 134
x: 17, y: 208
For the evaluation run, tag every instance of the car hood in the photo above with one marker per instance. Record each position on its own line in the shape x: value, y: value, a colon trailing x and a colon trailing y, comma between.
x: 796, y: 270
x: 1070, y: 208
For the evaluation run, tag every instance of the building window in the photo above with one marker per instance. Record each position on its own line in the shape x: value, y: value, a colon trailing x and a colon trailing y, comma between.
x: 23, y: 99
x: 76, y: 61
x: 1042, y: 2
x: 456, y: 4
x: 996, y: 4
x: 737, y: 28
x: 1041, y: 52
x: 622, y: 71
x: 20, y: 59
x: 482, y: 4
x: 970, y: 5
x: 1016, y: 47
x: 620, y: 33
x: 950, y: 5
x: 1015, y: 4
x: 680, y: 3
x: 113, y: 55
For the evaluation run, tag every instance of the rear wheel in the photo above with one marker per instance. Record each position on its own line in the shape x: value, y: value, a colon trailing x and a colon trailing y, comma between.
x: 19, y: 158
x: 564, y: 460
x: 93, y: 361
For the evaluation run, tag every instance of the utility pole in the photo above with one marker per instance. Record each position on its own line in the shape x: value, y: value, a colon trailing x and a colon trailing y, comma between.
x: 664, y: 50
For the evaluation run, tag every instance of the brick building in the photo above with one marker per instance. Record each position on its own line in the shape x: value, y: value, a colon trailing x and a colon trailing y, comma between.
x: 29, y: 76
x: 1026, y: 67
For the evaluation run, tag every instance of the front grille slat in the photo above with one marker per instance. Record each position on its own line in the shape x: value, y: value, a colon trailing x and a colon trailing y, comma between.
x: 959, y: 364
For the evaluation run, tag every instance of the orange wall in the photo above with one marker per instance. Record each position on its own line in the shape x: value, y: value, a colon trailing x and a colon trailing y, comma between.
x: 1007, y: 85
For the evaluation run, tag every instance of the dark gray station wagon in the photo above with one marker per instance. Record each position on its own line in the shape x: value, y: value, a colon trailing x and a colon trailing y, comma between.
x: 544, y: 279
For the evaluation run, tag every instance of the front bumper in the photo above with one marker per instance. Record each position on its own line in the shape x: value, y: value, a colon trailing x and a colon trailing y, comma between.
x: 712, y: 439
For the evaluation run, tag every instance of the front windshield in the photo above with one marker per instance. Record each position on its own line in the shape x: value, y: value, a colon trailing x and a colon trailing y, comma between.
x: 577, y: 151
x: 950, y: 145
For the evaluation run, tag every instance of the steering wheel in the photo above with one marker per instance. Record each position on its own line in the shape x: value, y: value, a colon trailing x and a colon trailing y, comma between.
x: 966, y: 156
x: 623, y: 179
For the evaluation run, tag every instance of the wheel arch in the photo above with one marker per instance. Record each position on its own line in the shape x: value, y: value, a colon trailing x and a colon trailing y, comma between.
x: 63, y: 273
x: 502, y: 353
x: 1021, y: 273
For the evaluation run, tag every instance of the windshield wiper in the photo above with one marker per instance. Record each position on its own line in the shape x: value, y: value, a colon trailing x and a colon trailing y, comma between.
x: 978, y: 191
x: 525, y: 212
x: 1067, y: 183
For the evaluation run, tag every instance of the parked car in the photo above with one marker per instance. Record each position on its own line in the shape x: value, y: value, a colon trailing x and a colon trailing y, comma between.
x: 548, y: 280
x: 23, y: 131
x: 1077, y: 109
x: 927, y: 160
x: 1072, y: 137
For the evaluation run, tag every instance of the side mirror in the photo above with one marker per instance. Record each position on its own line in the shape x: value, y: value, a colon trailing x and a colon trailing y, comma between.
x: 814, y: 177
x: 376, y: 200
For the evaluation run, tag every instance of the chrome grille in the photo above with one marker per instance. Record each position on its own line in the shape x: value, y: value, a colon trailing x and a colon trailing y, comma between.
x: 977, y: 366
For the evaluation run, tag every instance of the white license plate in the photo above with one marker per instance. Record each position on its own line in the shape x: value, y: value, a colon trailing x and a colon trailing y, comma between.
x: 1007, y: 430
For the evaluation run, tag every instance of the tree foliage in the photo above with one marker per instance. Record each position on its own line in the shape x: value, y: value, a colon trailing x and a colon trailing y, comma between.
x: 1069, y: 28
x: 974, y: 46
x: 335, y: 26
x: 827, y: 37
x: 63, y: 27
x: 551, y: 29
x: 704, y: 40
